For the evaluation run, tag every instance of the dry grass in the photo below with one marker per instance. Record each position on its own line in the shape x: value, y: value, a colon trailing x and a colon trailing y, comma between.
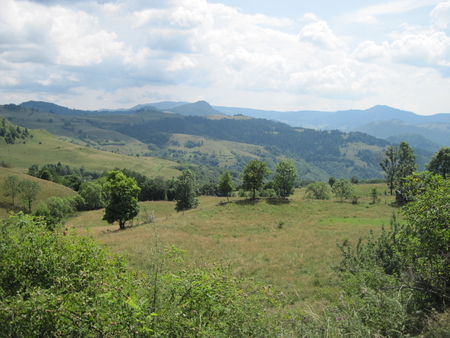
x: 291, y: 245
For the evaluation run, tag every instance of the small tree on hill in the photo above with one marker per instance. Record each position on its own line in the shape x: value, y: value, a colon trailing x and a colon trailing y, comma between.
x: 29, y: 190
x: 285, y: 178
x: 11, y: 187
x: 226, y: 184
x: 343, y: 189
x: 123, y: 203
x: 253, y: 177
x: 185, y: 191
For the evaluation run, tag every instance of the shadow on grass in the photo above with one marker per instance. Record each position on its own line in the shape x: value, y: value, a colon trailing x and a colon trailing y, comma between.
x: 10, y: 208
x: 278, y: 201
x: 247, y: 202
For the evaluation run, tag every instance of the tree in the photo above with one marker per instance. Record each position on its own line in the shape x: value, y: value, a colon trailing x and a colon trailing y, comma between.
x: 331, y: 181
x: 226, y: 184
x: 374, y: 194
x: 318, y: 191
x: 29, y: 190
x: 398, y: 163
x: 93, y: 196
x: 11, y: 187
x: 285, y: 177
x: 123, y: 203
x: 254, y: 174
x: 342, y: 188
x: 185, y: 191
x: 440, y: 162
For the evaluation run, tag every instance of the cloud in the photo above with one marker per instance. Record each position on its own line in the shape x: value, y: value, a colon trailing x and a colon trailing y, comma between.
x: 441, y: 15
x: 320, y: 35
x: 368, y: 15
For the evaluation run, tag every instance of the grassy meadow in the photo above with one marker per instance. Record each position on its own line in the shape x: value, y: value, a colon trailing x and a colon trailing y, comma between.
x: 290, y: 245
x: 44, y: 148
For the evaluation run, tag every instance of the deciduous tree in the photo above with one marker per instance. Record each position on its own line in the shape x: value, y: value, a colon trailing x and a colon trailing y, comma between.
x: 398, y: 163
x: 440, y: 162
x: 285, y: 177
x: 253, y: 176
x: 29, y: 190
x: 11, y: 187
x: 123, y: 202
x: 185, y: 191
x: 226, y: 184
x: 343, y: 189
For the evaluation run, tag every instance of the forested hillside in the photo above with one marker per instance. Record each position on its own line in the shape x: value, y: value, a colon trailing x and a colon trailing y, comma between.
x: 317, y: 154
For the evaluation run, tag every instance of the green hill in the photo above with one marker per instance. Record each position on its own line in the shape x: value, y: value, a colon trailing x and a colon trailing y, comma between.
x: 44, y: 148
x: 48, y: 189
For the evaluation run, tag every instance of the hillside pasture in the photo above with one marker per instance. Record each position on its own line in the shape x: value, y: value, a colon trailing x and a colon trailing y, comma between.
x: 290, y: 245
x: 43, y: 148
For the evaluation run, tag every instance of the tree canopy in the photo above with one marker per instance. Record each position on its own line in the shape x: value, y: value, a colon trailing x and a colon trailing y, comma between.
x: 226, y: 184
x: 185, y: 191
x: 253, y: 176
x: 399, y: 162
x: 123, y: 203
x: 440, y: 162
x: 285, y: 177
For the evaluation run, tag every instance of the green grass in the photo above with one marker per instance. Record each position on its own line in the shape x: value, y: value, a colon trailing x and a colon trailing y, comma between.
x: 44, y: 148
x: 290, y: 245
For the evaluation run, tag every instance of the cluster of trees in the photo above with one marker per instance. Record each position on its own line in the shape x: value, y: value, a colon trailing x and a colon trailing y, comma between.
x: 11, y: 134
x: 64, y: 174
x: 26, y: 190
x: 342, y: 189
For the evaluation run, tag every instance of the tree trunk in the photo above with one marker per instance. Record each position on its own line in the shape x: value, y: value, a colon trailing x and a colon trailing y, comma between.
x: 122, y: 224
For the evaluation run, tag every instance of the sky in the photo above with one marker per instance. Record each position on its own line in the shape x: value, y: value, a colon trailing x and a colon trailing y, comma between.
x: 279, y: 55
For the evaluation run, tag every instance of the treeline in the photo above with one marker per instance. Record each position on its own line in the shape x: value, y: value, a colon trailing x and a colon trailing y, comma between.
x: 64, y: 174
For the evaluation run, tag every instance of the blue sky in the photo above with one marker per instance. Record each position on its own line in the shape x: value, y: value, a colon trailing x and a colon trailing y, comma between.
x: 282, y: 55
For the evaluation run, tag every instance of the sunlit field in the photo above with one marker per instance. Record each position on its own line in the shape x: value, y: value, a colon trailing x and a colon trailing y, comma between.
x: 288, y: 244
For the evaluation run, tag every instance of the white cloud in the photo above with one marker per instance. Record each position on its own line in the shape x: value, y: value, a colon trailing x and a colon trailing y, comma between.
x: 441, y: 15
x: 186, y: 49
x: 368, y: 15
x: 320, y: 35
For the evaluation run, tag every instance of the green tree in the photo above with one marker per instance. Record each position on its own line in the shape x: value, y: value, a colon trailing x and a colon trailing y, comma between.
x: 440, y: 162
x: 331, y: 181
x: 374, y: 194
x: 318, y: 191
x: 11, y: 187
x: 226, y: 184
x: 398, y: 163
x: 29, y: 190
x: 123, y: 203
x: 93, y: 196
x: 343, y: 189
x: 285, y: 177
x: 185, y: 191
x: 253, y: 176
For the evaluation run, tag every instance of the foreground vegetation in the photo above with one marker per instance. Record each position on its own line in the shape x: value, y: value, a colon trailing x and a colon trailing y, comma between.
x: 394, y: 284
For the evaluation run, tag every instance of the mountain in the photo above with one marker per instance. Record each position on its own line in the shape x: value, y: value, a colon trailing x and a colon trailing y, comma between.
x: 53, y: 108
x: 200, y: 108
